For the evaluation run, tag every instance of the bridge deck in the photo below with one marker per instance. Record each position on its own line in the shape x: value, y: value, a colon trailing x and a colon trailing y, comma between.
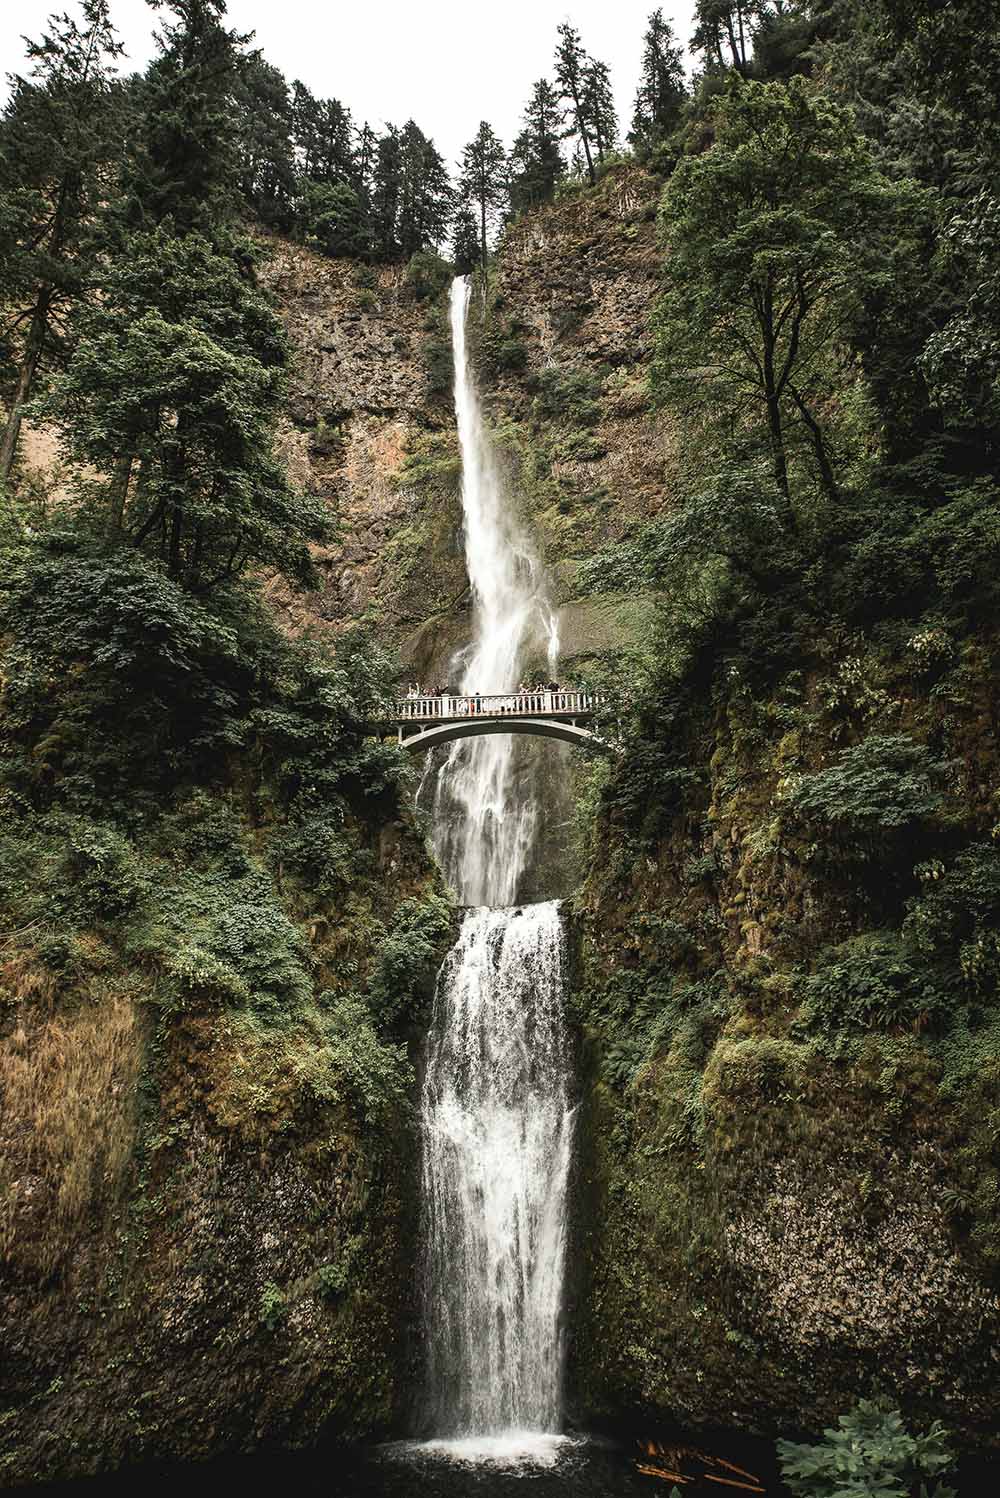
x: 426, y: 710
x: 425, y: 721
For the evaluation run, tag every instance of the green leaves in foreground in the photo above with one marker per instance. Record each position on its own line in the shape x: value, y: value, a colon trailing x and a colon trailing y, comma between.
x: 870, y: 1454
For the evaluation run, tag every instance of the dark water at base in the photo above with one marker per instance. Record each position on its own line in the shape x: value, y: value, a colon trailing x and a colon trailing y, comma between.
x: 574, y: 1469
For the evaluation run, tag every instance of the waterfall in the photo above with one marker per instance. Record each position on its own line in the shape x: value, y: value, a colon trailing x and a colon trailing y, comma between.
x: 498, y: 1123
x: 483, y: 831
x: 495, y: 1108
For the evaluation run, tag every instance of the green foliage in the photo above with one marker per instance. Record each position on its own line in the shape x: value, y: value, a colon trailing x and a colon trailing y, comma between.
x: 956, y: 918
x: 334, y: 1279
x: 330, y: 218
x: 59, y: 135
x: 536, y: 160
x: 872, y: 982
x: 567, y: 395
x: 482, y: 183
x: 273, y: 1307
x: 773, y: 238
x: 376, y: 1073
x: 407, y: 960
x: 877, y: 790
x: 427, y: 275
x: 172, y: 396
x: 870, y: 1454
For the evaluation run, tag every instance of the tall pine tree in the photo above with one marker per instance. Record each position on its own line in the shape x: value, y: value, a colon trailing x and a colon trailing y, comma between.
x: 60, y: 131
x: 571, y: 63
x: 660, y: 97
x: 171, y: 398
x: 536, y: 162
x: 482, y: 182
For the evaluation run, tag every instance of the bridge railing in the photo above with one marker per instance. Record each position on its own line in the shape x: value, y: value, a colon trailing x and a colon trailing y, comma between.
x: 538, y: 704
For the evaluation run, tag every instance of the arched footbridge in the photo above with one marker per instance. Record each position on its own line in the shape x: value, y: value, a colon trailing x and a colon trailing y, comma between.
x: 423, y: 722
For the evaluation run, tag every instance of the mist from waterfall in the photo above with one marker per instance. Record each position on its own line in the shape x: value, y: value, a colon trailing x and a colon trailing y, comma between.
x: 496, y: 1113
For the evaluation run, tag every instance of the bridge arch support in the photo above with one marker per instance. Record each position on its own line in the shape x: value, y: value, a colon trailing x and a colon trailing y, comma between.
x: 466, y: 728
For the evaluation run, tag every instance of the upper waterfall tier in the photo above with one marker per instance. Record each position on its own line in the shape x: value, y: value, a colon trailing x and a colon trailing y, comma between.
x: 484, y: 824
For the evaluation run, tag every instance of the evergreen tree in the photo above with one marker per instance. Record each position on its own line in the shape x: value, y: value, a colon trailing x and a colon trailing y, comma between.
x: 571, y: 64
x: 185, y: 162
x: 425, y: 193
x: 661, y: 94
x: 536, y: 162
x: 599, y: 102
x: 483, y: 181
x: 724, y: 30
x: 385, y: 197
x: 465, y: 241
x: 59, y: 133
x: 331, y: 217
x: 267, y: 160
x: 172, y: 397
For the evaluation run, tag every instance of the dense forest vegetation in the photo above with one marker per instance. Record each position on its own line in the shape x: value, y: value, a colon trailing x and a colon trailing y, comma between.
x: 189, y: 799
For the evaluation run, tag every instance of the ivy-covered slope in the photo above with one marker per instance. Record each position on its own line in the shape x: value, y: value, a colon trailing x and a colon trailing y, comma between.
x: 788, y: 983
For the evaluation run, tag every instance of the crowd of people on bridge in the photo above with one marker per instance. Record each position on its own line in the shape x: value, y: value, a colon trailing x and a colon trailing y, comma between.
x: 537, y: 697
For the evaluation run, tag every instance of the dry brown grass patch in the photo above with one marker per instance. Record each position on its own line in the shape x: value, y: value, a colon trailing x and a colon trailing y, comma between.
x: 67, y: 1120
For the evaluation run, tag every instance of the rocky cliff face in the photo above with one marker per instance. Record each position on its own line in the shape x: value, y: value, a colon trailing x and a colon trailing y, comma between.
x: 563, y: 343
x: 792, y: 1167
x: 371, y: 431
x: 206, y: 1220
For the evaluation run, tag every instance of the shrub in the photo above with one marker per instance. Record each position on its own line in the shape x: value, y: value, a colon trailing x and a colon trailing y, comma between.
x: 870, y: 1454
x: 273, y: 1308
x: 375, y: 1072
x: 568, y: 395
x: 427, y: 275
x: 871, y: 982
x: 439, y: 365
x: 956, y: 918
x: 877, y: 790
x: 408, y: 959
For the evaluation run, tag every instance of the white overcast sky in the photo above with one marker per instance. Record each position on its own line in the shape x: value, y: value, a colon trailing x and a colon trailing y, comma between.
x: 445, y: 63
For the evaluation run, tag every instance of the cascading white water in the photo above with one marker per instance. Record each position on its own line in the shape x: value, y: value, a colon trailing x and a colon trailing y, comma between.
x: 499, y: 1122
x: 496, y: 1112
x: 483, y: 838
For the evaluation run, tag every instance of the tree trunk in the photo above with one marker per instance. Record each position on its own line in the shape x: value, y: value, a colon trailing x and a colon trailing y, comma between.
x: 482, y: 233
x: 777, y: 437
x: 584, y: 138
x: 819, y: 446
x: 26, y: 379
x: 119, y: 495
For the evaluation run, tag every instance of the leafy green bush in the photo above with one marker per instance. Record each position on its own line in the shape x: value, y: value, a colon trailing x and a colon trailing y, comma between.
x: 956, y: 917
x: 871, y: 982
x: 375, y: 1072
x: 870, y: 1454
x: 877, y: 789
x: 427, y: 275
x: 273, y: 1307
x: 568, y: 395
x: 333, y: 1279
x: 439, y: 365
x: 511, y: 355
x: 408, y: 959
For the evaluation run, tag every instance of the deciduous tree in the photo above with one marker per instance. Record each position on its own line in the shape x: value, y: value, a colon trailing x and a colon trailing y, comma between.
x: 773, y: 238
